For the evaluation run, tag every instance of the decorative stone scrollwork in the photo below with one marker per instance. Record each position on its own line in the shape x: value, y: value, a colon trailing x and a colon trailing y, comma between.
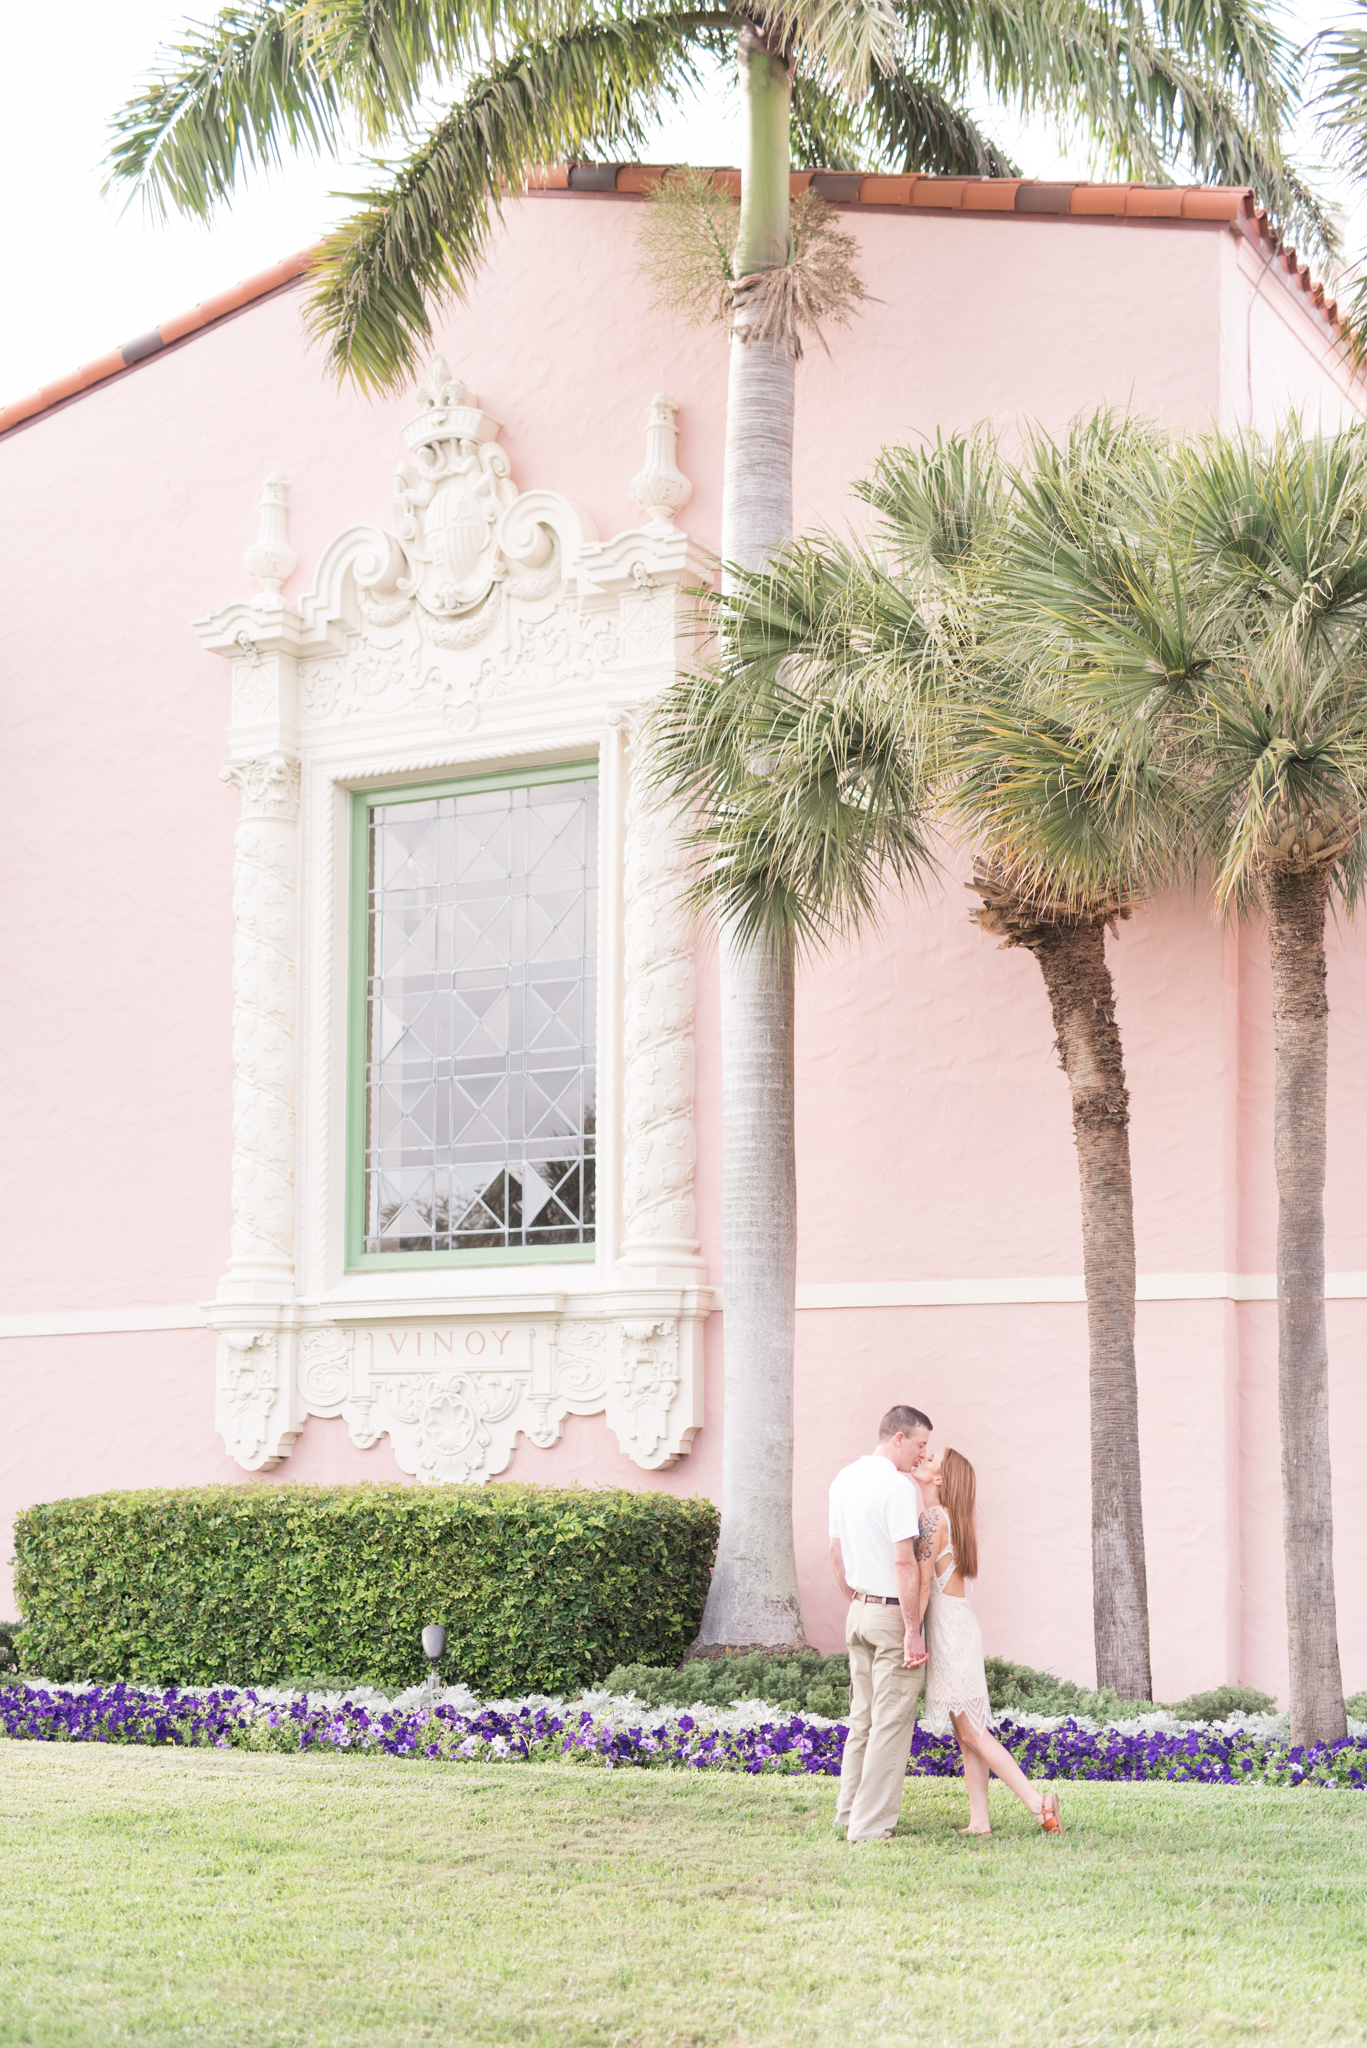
x: 645, y: 1382
x: 658, y: 998
x: 248, y: 1392
x: 325, y: 1369
x: 254, y: 688
x: 567, y: 645
x: 454, y: 1397
x: 581, y: 1363
x: 269, y: 787
x: 500, y: 608
x: 263, y: 1019
x: 369, y: 681
x: 439, y: 1424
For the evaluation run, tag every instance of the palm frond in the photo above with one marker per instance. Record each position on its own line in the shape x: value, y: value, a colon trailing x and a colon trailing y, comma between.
x: 913, y: 124
x: 240, y: 93
x: 1071, y: 825
x: 270, y: 77
x: 851, y: 40
x: 827, y: 133
x: 1343, y: 100
x: 1283, y: 525
x: 418, y: 238
x: 1200, y: 121
x: 804, y: 779
x: 1281, y: 774
x: 938, y: 505
x: 1213, y: 606
x: 821, y: 808
x: 1207, y: 88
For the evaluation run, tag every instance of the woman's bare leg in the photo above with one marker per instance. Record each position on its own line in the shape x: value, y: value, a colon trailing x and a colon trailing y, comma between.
x: 976, y: 1779
x: 992, y: 1757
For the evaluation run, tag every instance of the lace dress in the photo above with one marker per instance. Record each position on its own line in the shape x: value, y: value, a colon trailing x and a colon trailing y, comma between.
x: 956, y: 1682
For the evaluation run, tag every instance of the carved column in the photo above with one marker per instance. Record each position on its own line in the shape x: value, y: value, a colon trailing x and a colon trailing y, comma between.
x: 262, y: 1264
x: 657, y: 1039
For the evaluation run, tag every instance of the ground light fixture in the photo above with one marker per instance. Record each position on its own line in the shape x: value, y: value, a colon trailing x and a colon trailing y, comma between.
x: 433, y: 1644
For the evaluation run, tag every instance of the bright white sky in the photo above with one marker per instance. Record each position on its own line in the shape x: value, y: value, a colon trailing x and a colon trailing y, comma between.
x: 80, y: 278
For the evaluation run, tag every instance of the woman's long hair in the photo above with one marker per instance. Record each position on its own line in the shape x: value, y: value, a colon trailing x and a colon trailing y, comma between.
x: 959, y: 1492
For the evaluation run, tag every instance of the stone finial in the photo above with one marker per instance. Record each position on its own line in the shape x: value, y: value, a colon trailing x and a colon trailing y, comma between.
x: 661, y: 489
x: 270, y: 558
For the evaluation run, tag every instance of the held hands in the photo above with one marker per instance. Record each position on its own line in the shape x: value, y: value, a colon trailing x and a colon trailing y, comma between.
x: 914, y: 1651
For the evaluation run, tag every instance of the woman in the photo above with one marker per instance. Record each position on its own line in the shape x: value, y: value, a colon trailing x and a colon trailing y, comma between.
x: 956, y: 1683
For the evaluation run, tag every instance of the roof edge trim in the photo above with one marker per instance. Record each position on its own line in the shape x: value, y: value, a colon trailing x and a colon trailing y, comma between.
x: 282, y: 276
x: 1234, y: 205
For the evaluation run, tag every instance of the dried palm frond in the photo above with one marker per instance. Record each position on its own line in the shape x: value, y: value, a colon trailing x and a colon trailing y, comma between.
x: 818, y: 282
x: 685, y: 246
x: 685, y: 249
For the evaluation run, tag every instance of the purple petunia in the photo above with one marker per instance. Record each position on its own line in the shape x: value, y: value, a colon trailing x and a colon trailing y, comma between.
x: 545, y: 1731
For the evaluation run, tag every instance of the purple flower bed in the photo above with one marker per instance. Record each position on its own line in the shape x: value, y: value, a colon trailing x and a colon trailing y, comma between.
x: 227, y: 1718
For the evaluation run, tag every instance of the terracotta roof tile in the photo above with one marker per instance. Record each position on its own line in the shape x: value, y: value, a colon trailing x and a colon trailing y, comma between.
x: 1234, y: 204
x: 207, y: 314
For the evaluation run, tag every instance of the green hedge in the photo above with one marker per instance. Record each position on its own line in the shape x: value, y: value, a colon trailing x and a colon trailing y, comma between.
x: 804, y: 1681
x: 807, y: 1681
x: 540, y: 1589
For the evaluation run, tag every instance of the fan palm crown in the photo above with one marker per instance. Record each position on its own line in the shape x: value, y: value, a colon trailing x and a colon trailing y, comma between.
x: 1240, y: 616
x: 865, y: 692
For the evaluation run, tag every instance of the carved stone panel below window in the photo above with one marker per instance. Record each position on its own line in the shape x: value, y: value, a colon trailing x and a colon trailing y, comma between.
x: 453, y: 1394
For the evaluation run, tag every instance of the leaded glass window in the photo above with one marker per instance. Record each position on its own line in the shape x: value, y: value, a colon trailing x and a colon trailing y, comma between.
x: 480, y: 1020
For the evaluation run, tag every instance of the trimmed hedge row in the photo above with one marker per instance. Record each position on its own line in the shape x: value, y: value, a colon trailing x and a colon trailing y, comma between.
x: 540, y: 1589
x: 803, y: 1682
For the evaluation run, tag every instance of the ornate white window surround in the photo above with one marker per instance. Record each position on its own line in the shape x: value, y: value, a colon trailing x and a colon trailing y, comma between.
x: 490, y: 630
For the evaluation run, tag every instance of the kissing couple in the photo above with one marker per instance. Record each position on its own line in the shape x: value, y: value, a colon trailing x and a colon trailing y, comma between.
x: 903, y: 1546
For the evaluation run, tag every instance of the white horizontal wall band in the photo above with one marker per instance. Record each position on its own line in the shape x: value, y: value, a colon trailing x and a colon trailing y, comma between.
x: 1065, y: 1287
x: 811, y: 1294
x: 100, y: 1322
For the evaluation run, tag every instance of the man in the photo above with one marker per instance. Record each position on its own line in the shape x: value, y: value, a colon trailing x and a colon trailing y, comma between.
x: 875, y: 1518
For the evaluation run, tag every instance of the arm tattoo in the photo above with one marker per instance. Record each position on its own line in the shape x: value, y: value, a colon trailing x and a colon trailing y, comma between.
x: 925, y: 1542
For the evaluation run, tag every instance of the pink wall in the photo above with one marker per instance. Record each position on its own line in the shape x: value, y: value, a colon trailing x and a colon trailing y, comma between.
x: 934, y: 1135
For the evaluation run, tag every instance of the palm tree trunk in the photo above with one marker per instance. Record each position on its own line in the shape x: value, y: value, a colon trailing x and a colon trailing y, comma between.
x: 1072, y: 959
x: 1296, y: 900
x: 754, y: 1600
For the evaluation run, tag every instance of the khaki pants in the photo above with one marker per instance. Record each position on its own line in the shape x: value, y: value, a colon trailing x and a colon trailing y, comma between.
x: 882, y: 1720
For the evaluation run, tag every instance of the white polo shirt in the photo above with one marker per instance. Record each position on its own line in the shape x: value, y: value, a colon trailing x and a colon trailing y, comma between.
x: 873, y: 1506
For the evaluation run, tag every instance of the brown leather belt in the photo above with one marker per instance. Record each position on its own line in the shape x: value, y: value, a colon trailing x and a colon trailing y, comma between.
x: 880, y: 1599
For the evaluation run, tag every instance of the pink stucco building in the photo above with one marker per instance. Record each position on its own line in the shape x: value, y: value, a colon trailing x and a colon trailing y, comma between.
x: 301, y: 1050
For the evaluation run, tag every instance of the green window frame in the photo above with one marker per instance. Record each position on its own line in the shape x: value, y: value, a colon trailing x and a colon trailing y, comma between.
x: 363, y: 803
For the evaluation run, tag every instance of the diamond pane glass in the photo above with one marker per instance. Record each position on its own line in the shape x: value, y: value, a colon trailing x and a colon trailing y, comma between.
x: 481, y: 1006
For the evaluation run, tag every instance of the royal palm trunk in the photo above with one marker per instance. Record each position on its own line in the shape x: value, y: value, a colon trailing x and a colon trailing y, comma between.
x: 1072, y: 958
x: 754, y: 1598
x: 1296, y: 900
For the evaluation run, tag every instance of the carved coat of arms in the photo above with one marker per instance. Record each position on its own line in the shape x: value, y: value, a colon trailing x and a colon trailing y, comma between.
x: 451, y: 498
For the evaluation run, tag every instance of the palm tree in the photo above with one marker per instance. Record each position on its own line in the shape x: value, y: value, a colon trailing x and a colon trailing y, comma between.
x: 1073, y: 831
x: 1341, y: 107
x: 1280, y: 718
x: 861, y: 686
x: 1245, y: 609
x: 1205, y: 83
x: 797, y: 817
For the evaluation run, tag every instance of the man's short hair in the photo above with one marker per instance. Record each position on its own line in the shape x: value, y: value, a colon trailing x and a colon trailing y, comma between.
x: 902, y: 1421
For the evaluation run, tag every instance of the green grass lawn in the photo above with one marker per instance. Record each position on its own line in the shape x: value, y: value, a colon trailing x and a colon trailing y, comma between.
x: 159, y: 1896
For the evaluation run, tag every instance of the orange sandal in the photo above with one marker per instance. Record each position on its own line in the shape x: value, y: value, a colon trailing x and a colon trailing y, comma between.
x: 1049, y: 1818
